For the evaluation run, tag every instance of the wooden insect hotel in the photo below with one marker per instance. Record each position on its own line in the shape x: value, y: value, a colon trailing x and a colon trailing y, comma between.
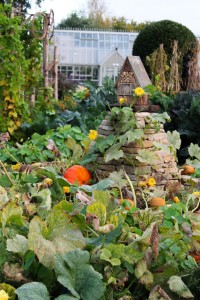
x: 132, y: 75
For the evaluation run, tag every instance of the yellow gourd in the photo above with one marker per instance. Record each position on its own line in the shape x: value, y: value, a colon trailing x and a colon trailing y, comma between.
x: 157, y: 201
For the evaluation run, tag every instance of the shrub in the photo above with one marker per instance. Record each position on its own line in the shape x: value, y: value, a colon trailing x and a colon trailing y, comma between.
x: 165, y: 32
x: 185, y: 116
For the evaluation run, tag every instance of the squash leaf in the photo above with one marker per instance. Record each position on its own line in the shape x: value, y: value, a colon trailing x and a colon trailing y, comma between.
x: 3, y: 197
x: 166, y: 148
x: 174, y: 139
x: 162, y: 118
x: 113, y: 152
x: 66, y: 297
x: 76, y: 274
x: 131, y: 136
x: 12, y: 215
x: 194, y: 151
x: 76, y: 148
x: 146, y: 156
x: 101, y: 185
x: 45, y: 198
x: 32, y: 291
x: 56, y: 235
x: 118, y: 179
x: 104, y: 143
x: 112, y: 253
x: 19, y: 244
x: 141, y: 268
x: 177, y: 286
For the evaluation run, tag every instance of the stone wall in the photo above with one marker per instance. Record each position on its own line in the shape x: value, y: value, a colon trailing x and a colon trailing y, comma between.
x: 164, y: 169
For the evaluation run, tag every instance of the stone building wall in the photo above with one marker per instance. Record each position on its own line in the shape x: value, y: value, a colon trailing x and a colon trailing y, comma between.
x: 164, y: 169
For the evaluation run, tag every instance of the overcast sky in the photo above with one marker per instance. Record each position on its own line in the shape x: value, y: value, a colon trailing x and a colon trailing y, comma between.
x: 186, y: 12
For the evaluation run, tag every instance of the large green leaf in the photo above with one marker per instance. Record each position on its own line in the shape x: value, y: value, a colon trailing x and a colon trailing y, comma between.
x: 56, y: 235
x: 32, y: 291
x: 4, y: 180
x: 103, y: 143
x: 146, y: 156
x: 166, y: 148
x: 76, y: 148
x: 12, y: 215
x: 194, y: 151
x: 174, y: 139
x: 66, y: 297
x: 131, y: 136
x: 141, y: 268
x: 114, y: 152
x: 162, y: 118
x: 177, y: 286
x: 101, y: 185
x: 3, y: 197
x: 108, y: 238
x: 45, y: 197
x: 132, y: 254
x: 78, y: 276
x: 19, y: 244
x: 112, y: 253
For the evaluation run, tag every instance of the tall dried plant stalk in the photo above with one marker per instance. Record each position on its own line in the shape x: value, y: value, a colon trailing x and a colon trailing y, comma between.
x: 173, y: 85
x: 157, y: 63
x: 194, y: 70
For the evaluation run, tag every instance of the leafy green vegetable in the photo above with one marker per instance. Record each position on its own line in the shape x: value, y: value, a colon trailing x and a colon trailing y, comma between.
x: 56, y: 235
x: 32, y: 291
x: 78, y: 276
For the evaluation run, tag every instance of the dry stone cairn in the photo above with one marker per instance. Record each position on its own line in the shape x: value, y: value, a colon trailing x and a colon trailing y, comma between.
x: 164, y: 168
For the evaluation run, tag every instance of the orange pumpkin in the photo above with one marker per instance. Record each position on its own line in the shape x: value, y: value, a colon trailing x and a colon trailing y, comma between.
x: 77, y: 174
x: 188, y: 170
x: 157, y: 201
x: 128, y: 207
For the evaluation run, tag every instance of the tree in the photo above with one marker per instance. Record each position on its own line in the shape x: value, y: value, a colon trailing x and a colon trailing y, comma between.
x: 96, y: 12
x: 75, y: 21
x: 21, y: 5
x: 97, y: 9
x: 97, y: 18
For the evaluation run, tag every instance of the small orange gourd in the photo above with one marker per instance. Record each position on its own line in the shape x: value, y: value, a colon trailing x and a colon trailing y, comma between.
x: 188, y: 170
x: 157, y: 201
x: 128, y: 207
x: 77, y: 174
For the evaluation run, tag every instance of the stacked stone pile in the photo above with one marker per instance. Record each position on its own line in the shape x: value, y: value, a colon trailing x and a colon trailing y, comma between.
x: 164, y: 168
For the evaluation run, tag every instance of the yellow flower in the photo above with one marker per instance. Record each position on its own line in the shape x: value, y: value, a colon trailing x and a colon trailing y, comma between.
x: 139, y: 91
x: 151, y: 181
x: 66, y: 189
x: 3, y: 295
x: 16, y: 167
x: 176, y: 199
x: 93, y: 135
x: 48, y: 181
x: 197, y: 194
x: 122, y: 100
